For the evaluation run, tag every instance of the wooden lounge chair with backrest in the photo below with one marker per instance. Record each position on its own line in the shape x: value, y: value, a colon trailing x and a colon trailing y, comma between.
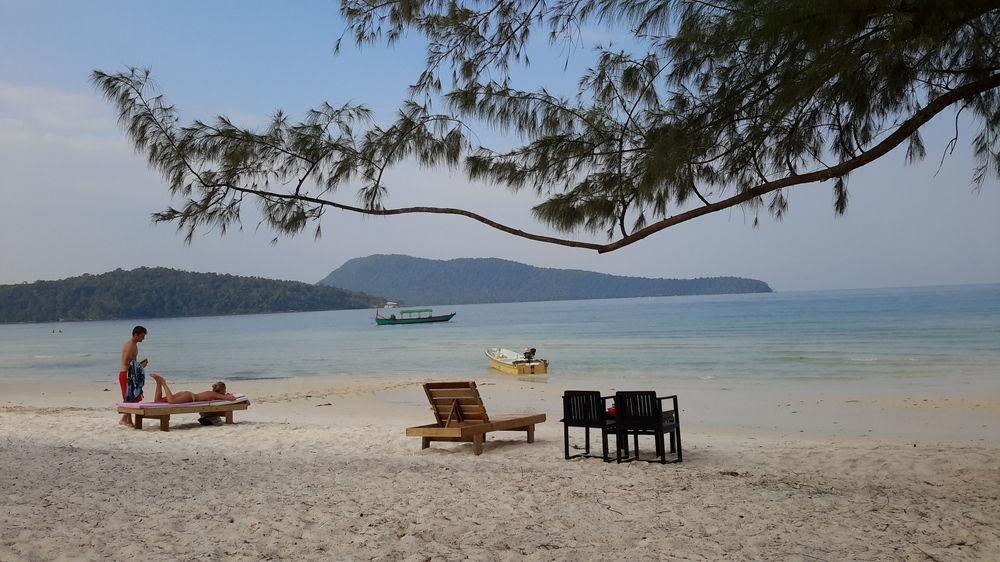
x: 461, y: 416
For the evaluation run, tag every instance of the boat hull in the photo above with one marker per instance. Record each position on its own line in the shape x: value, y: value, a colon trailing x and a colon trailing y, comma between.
x: 394, y: 321
x: 519, y: 367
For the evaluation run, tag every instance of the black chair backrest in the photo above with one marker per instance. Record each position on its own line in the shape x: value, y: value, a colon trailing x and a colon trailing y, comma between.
x: 583, y: 408
x: 638, y: 409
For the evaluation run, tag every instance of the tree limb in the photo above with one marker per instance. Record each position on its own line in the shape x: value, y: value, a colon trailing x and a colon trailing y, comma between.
x: 892, y: 141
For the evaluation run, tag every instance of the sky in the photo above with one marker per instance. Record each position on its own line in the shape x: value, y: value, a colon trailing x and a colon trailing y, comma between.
x: 75, y: 198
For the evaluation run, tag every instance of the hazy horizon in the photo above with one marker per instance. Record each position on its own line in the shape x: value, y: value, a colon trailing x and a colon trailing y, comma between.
x: 797, y: 290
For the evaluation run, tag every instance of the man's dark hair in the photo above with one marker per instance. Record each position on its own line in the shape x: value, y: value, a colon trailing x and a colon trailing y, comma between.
x: 138, y: 330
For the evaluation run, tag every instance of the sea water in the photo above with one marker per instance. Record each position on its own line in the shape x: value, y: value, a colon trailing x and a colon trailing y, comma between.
x: 886, y: 336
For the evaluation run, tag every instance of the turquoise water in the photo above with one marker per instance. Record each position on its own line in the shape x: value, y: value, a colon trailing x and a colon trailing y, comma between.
x: 886, y: 335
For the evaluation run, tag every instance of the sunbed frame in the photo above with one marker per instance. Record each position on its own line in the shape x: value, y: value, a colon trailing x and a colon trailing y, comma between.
x: 461, y: 416
x: 139, y: 412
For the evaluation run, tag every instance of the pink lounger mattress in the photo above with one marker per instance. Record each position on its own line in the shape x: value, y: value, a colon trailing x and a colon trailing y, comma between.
x: 151, y: 405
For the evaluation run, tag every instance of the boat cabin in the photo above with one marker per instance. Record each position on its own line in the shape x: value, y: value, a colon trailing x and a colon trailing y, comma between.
x: 410, y: 316
x: 416, y: 313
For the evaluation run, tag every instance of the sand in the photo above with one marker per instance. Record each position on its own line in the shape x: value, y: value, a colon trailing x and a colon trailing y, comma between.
x: 321, y: 469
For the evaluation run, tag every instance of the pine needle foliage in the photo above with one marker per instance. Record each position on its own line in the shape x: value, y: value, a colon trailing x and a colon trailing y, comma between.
x: 715, y: 104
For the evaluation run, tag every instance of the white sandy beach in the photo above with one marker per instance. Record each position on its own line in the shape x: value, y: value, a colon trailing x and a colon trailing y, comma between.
x: 321, y: 469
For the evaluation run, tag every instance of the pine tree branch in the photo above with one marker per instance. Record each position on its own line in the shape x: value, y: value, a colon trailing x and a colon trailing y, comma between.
x: 901, y: 134
x: 409, y: 210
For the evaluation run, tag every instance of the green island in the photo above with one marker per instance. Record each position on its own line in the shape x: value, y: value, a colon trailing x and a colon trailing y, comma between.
x: 419, y: 281
x: 157, y: 292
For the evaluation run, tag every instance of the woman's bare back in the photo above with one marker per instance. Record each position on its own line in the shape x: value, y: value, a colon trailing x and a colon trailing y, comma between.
x: 212, y: 395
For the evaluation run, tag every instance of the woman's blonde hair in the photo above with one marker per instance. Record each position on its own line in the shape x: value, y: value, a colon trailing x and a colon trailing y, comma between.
x: 219, y: 387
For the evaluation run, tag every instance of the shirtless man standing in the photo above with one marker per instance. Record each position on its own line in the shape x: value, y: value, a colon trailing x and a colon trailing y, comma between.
x: 130, y: 351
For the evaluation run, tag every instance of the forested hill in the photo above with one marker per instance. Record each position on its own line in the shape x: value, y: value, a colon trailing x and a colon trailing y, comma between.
x: 159, y: 293
x: 417, y: 281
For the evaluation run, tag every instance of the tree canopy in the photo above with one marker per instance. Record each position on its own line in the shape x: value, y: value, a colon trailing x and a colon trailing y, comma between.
x: 713, y: 104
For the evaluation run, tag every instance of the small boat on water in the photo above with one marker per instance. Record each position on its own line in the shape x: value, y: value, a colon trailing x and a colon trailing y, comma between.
x: 409, y: 316
x: 514, y: 363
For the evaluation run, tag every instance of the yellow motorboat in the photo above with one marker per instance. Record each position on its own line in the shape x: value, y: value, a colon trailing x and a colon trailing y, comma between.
x: 514, y: 363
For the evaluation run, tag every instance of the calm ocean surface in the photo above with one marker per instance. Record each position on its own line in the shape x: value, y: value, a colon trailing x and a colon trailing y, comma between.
x: 887, y: 336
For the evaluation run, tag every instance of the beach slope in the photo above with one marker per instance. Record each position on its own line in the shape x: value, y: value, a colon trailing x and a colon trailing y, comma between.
x: 323, y: 470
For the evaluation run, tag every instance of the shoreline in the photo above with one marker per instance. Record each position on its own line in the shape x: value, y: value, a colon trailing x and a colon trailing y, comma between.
x: 730, y: 408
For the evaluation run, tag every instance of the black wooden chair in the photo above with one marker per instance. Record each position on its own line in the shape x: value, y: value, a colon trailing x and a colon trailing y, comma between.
x: 586, y: 409
x: 642, y: 413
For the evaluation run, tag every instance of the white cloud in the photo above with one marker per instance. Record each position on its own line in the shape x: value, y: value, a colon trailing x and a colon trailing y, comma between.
x: 31, y: 111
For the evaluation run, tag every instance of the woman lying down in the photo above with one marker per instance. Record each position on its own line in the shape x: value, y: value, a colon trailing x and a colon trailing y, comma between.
x: 164, y: 395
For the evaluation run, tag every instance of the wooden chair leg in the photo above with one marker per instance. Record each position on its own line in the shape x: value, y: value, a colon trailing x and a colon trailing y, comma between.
x: 677, y: 431
x: 477, y: 443
x: 621, y: 446
x: 531, y: 434
x: 586, y: 436
x: 229, y: 418
x: 425, y: 442
x: 164, y: 423
x: 604, y: 446
x: 137, y: 423
x: 565, y: 441
x: 636, y: 445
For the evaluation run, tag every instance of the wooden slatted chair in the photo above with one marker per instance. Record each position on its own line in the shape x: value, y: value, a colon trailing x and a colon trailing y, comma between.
x: 461, y: 416
x: 642, y: 413
x: 587, y: 409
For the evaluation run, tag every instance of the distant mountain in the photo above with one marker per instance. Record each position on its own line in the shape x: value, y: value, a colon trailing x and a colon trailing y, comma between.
x: 417, y: 281
x: 160, y: 293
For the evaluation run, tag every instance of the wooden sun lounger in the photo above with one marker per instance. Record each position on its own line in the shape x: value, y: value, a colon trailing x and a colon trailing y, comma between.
x: 461, y: 416
x: 164, y: 411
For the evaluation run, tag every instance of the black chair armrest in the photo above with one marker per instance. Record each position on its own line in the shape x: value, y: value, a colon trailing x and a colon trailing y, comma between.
x: 675, y: 410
